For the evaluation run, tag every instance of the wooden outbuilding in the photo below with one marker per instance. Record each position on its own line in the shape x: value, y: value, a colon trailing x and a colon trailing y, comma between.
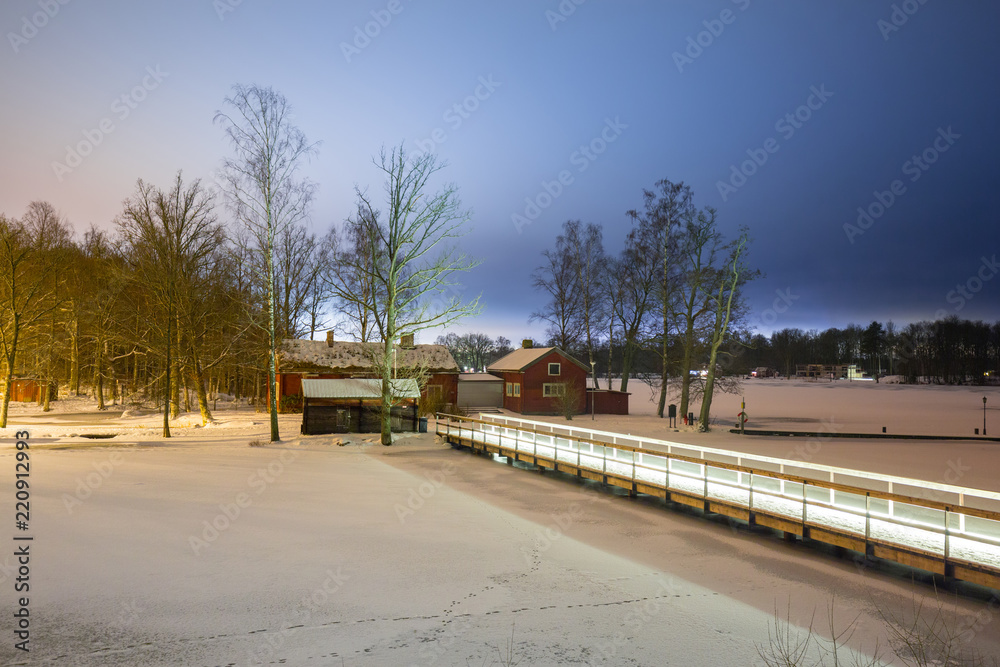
x: 354, y: 406
x: 29, y: 390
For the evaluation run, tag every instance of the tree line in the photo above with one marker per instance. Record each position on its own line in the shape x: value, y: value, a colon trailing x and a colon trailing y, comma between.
x: 174, y: 303
x: 946, y: 351
x: 670, y: 304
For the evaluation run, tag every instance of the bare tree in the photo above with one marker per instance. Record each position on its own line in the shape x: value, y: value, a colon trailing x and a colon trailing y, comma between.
x: 412, y: 261
x: 169, y: 240
x: 700, y: 249
x: 634, y: 278
x: 265, y: 191
x: 350, y: 277
x: 586, y: 247
x: 558, y: 278
x: 32, y: 257
x: 664, y: 211
x: 725, y: 300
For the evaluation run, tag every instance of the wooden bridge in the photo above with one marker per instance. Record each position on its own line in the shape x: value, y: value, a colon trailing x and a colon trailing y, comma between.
x: 941, y: 528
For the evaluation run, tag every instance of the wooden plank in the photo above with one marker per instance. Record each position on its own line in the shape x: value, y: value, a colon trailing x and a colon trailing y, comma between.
x: 651, y: 490
x: 729, y: 510
x: 836, y: 538
x: 909, y: 557
x: 976, y: 575
x: 785, y: 525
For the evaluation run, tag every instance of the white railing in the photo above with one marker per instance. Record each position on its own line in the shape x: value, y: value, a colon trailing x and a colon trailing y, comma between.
x: 948, y: 522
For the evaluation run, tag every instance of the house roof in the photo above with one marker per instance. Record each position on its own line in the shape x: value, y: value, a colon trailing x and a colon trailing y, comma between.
x: 520, y: 359
x: 347, y: 356
x: 361, y: 388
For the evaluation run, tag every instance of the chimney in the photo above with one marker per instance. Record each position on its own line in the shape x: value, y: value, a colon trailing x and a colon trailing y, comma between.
x: 527, y: 344
x: 406, y: 341
x: 329, y: 338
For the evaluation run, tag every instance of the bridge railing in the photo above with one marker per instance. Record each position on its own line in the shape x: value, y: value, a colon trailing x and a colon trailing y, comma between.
x: 935, y: 527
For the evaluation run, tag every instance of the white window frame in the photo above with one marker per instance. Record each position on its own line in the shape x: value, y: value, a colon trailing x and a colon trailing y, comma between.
x: 517, y: 389
x: 558, y: 366
x: 553, y: 389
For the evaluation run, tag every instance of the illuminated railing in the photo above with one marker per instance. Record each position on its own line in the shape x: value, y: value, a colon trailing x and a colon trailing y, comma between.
x: 939, y: 527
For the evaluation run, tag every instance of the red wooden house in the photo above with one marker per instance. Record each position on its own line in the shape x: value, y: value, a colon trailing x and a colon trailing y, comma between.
x: 537, y: 381
x: 336, y: 360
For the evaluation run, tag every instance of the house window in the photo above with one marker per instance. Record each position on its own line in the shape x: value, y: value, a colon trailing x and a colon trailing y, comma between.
x: 553, y: 389
x: 555, y: 369
x: 513, y: 388
x: 517, y: 388
x: 435, y: 392
x: 510, y: 388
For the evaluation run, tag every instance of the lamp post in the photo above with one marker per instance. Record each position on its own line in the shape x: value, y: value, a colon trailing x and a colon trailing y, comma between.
x: 593, y: 394
x: 984, y: 415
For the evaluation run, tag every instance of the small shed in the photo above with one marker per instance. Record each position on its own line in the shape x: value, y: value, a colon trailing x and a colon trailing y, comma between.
x: 607, y: 401
x: 480, y: 390
x: 353, y: 406
x: 29, y: 390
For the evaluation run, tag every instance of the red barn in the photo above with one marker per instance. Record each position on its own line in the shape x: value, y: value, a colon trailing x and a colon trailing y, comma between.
x: 336, y: 360
x: 538, y: 380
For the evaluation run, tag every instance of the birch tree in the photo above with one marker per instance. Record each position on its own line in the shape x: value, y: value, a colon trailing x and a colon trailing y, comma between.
x: 726, y: 301
x: 413, y: 259
x: 266, y: 192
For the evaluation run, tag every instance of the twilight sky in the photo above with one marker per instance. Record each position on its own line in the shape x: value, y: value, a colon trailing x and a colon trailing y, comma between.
x: 786, y: 116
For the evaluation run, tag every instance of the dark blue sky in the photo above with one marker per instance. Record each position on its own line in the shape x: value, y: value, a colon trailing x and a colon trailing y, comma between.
x: 865, y: 97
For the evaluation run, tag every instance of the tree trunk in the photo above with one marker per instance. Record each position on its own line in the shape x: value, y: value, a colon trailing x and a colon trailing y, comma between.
x: 166, y: 380
x: 706, y: 401
x: 99, y: 376
x: 74, y: 358
x: 386, y: 412
x: 198, y: 377
x: 686, y: 369
x: 7, y: 382
x: 664, y: 368
x: 611, y: 347
x: 10, y: 353
x: 628, y: 356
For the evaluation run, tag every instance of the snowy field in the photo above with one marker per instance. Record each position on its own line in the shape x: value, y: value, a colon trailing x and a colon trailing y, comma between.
x: 201, y: 550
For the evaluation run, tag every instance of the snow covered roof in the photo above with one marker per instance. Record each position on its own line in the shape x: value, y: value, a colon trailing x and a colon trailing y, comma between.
x: 318, y: 355
x: 479, y: 377
x: 358, y: 388
x: 520, y: 359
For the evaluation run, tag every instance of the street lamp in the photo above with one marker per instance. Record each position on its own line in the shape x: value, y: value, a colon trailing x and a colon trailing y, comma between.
x: 984, y: 415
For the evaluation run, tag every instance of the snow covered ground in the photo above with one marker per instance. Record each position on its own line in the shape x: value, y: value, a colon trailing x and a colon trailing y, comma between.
x: 201, y: 550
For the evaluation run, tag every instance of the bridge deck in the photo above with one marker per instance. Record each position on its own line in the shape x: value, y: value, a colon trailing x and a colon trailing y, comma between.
x: 940, y: 528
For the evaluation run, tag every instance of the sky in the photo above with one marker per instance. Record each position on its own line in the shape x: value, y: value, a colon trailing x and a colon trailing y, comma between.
x: 857, y: 140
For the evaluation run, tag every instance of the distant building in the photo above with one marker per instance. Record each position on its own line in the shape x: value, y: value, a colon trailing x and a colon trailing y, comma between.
x: 339, y: 360
x: 829, y: 371
x: 29, y: 390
